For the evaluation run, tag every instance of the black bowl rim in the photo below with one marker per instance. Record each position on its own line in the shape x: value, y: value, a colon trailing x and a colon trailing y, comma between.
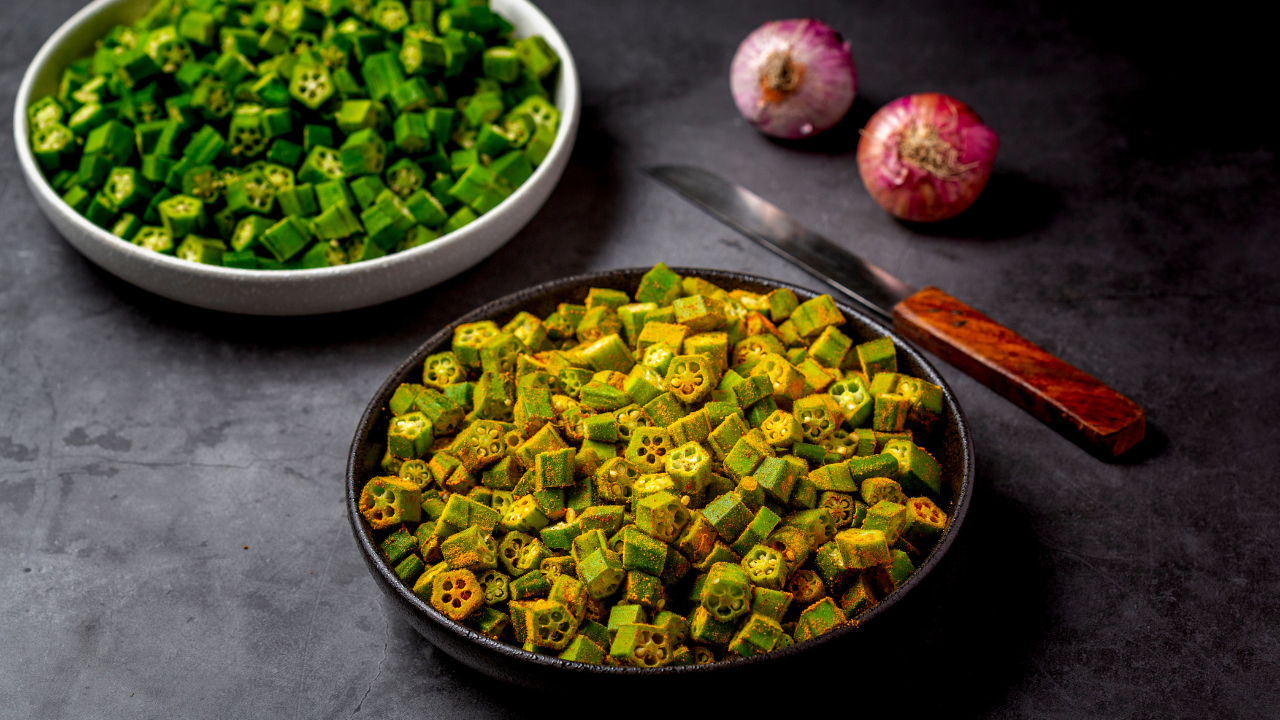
x: 508, y: 302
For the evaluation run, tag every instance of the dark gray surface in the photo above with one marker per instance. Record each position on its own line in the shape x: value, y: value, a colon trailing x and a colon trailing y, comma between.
x: 172, y: 539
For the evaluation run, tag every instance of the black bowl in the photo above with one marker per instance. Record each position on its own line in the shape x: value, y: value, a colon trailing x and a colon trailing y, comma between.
x: 951, y: 444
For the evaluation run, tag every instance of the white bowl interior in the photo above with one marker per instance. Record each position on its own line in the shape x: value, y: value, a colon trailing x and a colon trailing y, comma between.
x: 289, y: 292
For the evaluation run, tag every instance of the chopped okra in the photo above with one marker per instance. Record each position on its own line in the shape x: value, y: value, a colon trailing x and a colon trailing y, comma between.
x: 562, y: 487
x: 281, y: 109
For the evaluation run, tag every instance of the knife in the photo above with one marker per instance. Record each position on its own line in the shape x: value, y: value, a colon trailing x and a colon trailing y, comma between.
x: 1072, y: 402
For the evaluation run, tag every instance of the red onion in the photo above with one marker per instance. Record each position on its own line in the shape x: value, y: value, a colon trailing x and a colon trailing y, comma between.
x: 926, y: 157
x: 793, y: 78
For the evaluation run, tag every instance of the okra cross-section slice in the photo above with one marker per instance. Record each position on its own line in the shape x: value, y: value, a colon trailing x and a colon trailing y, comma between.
x: 252, y: 192
x: 765, y: 567
x: 550, y: 624
x: 855, y: 400
x: 202, y: 250
x: 52, y: 145
x: 648, y: 449
x: 614, y: 480
x: 126, y: 187
x: 845, y: 510
x: 806, y: 587
x: 182, y: 215
x: 389, y: 501
x: 726, y: 594
x: 409, y: 435
x: 925, y: 522
x: 405, y: 176
x: 45, y: 112
x: 442, y: 370
x: 815, y: 418
x: 781, y: 429
x: 467, y: 339
x: 689, y: 467
x: 472, y: 549
x: 511, y: 549
x: 601, y: 572
x: 641, y: 645
x: 203, y: 182
x: 310, y: 82
x: 662, y: 516
x: 321, y: 165
x: 496, y: 586
x: 154, y: 238
x: 481, y: 445
x: 918, y: 471
x: 691, y: 377
x: 457, y: 594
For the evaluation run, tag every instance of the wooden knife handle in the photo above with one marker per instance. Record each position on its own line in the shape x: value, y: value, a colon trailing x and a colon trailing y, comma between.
x: 1076, y: 404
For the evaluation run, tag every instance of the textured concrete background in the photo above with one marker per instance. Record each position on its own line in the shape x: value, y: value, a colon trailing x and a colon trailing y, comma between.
x: 172, y: 539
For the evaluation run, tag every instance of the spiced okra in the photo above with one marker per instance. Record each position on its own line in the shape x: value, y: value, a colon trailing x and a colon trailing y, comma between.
x: 294, y: 112
x: 584, y: 502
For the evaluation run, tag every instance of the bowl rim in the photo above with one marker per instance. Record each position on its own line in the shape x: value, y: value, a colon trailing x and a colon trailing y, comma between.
x: 568, y: 89
x: 514, y: 300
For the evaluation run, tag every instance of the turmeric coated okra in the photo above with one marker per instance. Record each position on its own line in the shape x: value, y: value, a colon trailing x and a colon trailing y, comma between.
x: 685, y: 475
x: 266, y: 134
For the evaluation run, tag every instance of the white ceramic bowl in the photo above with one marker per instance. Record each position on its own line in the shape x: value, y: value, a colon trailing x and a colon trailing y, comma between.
x: 289, y: 292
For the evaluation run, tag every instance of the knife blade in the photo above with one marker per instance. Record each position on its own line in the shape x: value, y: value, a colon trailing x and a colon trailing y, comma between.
x: 778, y: 232
x: 1072, y: 402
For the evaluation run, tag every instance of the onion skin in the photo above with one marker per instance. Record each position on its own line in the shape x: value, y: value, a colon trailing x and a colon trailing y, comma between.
x: 826, y: 79
x: 946, y: 182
